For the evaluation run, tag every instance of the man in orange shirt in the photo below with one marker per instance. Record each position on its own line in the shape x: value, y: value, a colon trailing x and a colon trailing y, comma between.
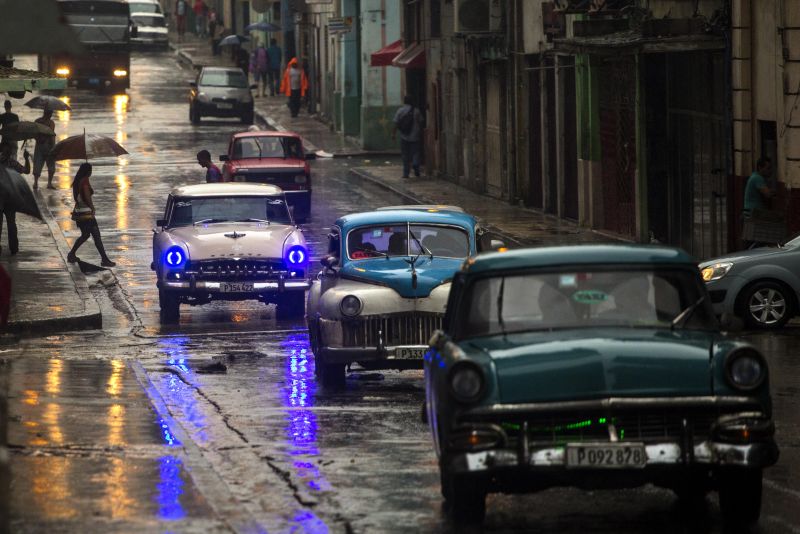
x: 294, y: 85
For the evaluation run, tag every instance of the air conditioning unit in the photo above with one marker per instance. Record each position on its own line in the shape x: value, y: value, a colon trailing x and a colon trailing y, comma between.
x: 478, y: 16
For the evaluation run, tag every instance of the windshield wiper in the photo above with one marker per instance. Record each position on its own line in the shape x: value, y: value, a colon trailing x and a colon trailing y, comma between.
x: 255, y: 140
x: 420, y: 245
x: 684, y: 316
x: 253, y: 219
x: 370, y: 251
x: 209, y: 221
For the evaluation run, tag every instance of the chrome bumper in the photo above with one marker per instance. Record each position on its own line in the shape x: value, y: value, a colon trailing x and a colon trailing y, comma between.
x: 710, y: 453
x: 371, y: 354
x: 213, y: 287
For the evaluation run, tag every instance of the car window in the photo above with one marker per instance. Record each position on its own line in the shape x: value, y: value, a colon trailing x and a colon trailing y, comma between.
x: 144, y: 7
x: 267, y: 147
x: 333, y: 244
x: 187, y: 211
x: 224, y: 78
x: 378, y: 241
x: 544, y: 301
x: 142, y: 20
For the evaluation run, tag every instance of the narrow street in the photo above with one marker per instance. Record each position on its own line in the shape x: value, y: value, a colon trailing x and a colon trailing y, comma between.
x: 217, y: 424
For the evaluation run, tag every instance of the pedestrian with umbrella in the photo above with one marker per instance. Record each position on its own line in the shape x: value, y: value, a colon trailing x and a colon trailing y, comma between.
x: 84, y: 216
x: 44, y: 143
x: 9, y: 118
x: 9, y: 203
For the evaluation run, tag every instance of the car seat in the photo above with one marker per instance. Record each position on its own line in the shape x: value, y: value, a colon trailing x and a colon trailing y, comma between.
x: 398, y: 244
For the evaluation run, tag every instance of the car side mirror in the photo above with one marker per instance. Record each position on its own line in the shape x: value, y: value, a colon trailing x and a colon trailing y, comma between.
x: 161, y: 222
x: 311, y: 155
x: 224, y: 157
x: 731, y: 323
x: 193, y: 84
x: 497, y: 244
x: 329, y: 262
x: 134, y: 31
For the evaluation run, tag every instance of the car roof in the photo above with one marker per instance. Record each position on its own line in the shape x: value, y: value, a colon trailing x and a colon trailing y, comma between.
x: 226, y: 189
x: 423, y: 207
x: 263, y: 133
x: 146, y: 14
x: 221, y: 69
x: 578, y: 255
x: 399, y: 216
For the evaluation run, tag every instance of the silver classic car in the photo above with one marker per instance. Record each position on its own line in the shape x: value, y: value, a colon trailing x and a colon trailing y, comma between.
x: 232, y: 241
x: 384, y: 287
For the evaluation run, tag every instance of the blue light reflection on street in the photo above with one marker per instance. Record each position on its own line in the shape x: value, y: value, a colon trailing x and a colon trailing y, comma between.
x: 170, y: 489
x: 301, y: 423
x: 177, y: 392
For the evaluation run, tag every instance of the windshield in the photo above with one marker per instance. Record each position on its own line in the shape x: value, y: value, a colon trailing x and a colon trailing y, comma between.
x: 143, y: 20
x: 399, y: 240
x: 270, y: 147
x: 623, y: 298
x: 224, y: 78
x: 187, y: 211
x: 97, y: 22
x: 144, y: 7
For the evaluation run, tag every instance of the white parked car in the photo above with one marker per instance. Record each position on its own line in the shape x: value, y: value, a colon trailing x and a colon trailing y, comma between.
x: 151, y: 31
x: 231, y: 241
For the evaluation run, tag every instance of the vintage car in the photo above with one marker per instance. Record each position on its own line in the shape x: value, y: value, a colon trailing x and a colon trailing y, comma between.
x: 760, y: 285
x: 596, y: 366
x: 229, y: 242
x: 384, y: 286
x: 276, y: 158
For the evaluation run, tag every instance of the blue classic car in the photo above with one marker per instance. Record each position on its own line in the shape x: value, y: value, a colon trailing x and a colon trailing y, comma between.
x: 597, y: 367
x: 385, y: 284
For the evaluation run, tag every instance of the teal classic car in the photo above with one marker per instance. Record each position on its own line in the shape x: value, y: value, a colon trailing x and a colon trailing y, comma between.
x: 596, y: 366
x: 385, y: 284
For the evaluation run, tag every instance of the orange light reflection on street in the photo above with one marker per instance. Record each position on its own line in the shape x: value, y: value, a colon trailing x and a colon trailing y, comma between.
x: 63, y: 116
x: 123, y: 184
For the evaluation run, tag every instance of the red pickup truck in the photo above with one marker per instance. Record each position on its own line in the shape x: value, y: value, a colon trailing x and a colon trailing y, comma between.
x: 275, y: 158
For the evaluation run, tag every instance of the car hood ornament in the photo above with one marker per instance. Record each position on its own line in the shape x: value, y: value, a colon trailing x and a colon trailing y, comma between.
x: 235, y: 235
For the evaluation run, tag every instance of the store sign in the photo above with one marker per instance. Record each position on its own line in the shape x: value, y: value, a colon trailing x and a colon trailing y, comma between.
x: 340, y: 25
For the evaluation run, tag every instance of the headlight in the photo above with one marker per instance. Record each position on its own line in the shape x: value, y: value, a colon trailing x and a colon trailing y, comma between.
x: 175, y: 256
x: 746, y: 369
x: 351, y: 306
x: 120, y: 73
x: 466, y: 381
x: 296, y: 255
x: 202, y: 97
x: 63, y: 71
x: 716, y: 271
x: 300, y: 179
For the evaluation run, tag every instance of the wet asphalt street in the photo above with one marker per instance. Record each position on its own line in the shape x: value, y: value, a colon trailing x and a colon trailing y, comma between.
x: 217, y: 424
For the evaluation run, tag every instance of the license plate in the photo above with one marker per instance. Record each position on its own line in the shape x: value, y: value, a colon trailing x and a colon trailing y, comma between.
x: 236, y: 287
x: 409, y: 353
x: 223, y: 105
x: 606, y: 456
x: 94, y: 81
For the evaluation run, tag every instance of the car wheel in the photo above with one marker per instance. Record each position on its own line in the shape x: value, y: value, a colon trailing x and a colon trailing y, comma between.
x: 766, y: 305
x: 331, y: 374
x: 291, y: 305
x: 740, y: 495
x: 194, y: 115
x: 247, y: 118
x: 170, y: 306
x: 465, y: 498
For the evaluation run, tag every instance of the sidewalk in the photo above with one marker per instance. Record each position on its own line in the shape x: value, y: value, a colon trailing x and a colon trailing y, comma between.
x: 519, y: 225
x: 47, y: 294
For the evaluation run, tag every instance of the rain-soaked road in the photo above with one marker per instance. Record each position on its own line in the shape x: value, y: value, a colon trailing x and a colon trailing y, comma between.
x: 217, y: 424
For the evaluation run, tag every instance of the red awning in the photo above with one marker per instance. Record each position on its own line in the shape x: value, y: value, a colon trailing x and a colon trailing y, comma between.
x: 412, y: 57
x: 384, y: 56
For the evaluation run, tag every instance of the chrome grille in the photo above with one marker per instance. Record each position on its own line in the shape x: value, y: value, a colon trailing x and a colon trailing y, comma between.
x: 231, y: 269
x: 391, y: 330
x: 643, y: 426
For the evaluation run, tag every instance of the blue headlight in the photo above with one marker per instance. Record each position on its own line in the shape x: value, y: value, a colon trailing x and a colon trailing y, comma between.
x: 175, y: 256
x: 297, y: 255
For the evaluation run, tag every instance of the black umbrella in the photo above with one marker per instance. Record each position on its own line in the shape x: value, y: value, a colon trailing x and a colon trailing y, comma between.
x: 16, y: 193
x: 262, y: 26
x: 233, y: 40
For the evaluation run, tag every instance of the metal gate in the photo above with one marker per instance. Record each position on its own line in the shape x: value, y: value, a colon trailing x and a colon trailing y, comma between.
x: 495, y: 150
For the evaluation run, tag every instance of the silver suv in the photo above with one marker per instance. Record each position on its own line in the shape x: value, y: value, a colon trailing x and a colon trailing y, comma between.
x: 221, y: 92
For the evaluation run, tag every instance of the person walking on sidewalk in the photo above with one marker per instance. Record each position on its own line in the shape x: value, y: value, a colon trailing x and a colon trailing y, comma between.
x: 41, y: 154
x: 409, y: 121
x: 200, y: 9
x: 181, y: 10
x: 275, y: 58
x: 9, y: 118
x: 213, y: 174
x: 84, y: 216
x: 259, y: 66
x: 294, y: 85
x: 6, y: 209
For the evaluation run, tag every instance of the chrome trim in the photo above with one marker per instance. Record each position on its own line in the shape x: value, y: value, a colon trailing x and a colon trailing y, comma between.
x: 295, y: 284
x: 614, y: 403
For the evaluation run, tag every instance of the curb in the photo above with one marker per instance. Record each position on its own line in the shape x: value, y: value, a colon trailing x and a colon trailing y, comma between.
x: 92, y: 318
x: 411, y: 199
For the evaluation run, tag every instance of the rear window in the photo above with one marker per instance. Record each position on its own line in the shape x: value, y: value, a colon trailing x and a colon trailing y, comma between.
x: 144, y: 7
x: 224, y: 78
x: 267, y: 147
x: 141, y: 20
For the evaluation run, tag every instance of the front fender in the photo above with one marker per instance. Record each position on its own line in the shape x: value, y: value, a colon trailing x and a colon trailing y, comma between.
x: 721, y: 385
x: 771, y: 271
x: 161, y: 242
